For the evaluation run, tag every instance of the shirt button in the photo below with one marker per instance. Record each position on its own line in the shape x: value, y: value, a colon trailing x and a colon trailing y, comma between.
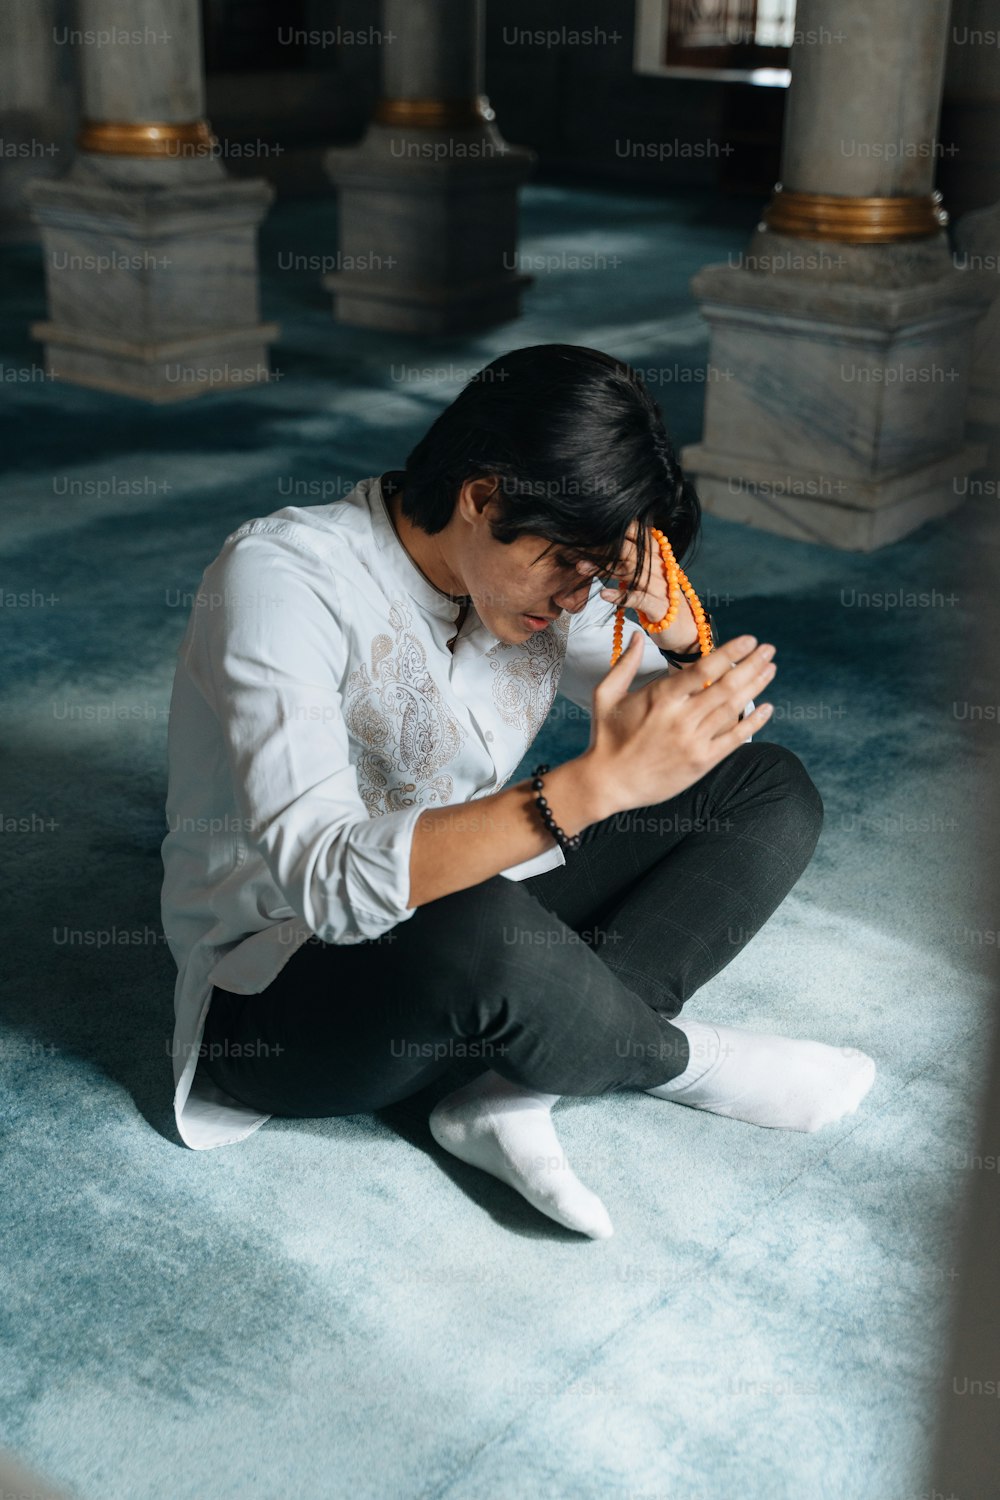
x: 489, y: 734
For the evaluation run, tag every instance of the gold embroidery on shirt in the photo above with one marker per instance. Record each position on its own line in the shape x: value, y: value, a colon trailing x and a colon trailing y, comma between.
x: 527, y: 676
x: 406, y: 731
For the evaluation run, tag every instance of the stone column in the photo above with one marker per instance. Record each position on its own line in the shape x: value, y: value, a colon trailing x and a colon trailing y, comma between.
x: 841, y: 341
x: 150, y: 249
x: 429, y: 198
x: 37, y: 109
x: 977, y: 242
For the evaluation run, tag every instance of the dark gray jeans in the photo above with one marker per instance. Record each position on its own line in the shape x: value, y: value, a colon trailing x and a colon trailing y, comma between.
x: 564, y: 982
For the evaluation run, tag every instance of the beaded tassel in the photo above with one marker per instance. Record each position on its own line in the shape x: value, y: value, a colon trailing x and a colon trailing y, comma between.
x: 677, y: 582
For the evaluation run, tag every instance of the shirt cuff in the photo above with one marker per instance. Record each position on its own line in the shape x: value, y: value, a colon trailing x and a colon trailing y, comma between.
x: 377, y: 874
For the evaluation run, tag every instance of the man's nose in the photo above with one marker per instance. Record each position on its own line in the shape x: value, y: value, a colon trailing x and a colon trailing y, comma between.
x: 572, y: 600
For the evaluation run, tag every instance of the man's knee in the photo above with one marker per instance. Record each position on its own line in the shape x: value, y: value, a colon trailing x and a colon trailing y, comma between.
x: 471, y: 940
x: 801, y: 795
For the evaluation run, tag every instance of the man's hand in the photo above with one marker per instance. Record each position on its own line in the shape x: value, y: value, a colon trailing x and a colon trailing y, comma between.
x: 650, y: 596
x: 650, y: 745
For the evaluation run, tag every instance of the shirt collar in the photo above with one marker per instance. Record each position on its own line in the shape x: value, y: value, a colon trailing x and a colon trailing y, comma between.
x: 399, y: 560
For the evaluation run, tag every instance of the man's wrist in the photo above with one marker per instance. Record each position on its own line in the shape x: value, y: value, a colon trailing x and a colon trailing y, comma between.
x: 577, y: 793
x: 666, y: 640
x: 591, y: 793
x: 681, y: 635
x: 690, y: 654
x: 670, y: 648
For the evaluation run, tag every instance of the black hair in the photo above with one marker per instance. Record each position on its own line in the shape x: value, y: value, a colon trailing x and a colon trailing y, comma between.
x: 578, y: 447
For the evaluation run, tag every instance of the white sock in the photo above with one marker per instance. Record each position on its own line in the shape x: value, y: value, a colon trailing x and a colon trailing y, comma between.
x: 768, y: 1080
x: 508, y: 1131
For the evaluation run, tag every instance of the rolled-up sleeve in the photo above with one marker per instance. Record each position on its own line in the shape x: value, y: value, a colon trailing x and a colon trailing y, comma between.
x: 268, y: 651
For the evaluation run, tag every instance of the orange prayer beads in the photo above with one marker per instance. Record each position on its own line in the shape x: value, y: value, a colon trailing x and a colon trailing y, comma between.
x: 677, y: 583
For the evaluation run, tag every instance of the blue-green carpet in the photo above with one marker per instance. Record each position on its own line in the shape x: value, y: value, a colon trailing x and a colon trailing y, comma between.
x: 333, y: 1308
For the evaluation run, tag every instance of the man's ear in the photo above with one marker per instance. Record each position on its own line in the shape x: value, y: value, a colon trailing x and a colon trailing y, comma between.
x: 475, y: 494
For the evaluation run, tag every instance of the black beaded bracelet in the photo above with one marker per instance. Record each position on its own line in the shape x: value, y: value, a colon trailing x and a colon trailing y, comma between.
x: 564, y: 840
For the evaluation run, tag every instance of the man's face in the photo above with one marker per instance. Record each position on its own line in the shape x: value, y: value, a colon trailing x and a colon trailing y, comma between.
x: 520, y: 587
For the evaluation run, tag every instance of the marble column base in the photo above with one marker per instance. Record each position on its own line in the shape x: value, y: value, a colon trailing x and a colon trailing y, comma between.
x: 170, y: 370
x: 903, y: 263
x: 428, y: 230
x: 815, y: 506
x: 153, y: 289
x: 977, y: 242
x: 835, y: 412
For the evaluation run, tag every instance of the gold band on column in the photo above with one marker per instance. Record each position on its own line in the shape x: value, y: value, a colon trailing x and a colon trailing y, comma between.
x: 435, y: 114
x: 854, y: 221
x: 146, y: 138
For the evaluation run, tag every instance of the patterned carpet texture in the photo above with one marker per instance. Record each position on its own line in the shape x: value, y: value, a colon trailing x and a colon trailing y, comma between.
x: 335, y: 1308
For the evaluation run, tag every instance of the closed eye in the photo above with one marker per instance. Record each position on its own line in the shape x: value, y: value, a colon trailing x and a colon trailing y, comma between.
x: 568, y: 564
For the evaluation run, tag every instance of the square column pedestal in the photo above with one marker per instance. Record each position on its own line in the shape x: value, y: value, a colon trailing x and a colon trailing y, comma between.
x: 977, y: 237
x: 835, y: 412
x: 428, y: 236
x: 153, y: 291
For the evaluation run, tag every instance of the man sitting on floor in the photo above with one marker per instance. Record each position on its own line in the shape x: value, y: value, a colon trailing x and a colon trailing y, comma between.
x: 352, y: 893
